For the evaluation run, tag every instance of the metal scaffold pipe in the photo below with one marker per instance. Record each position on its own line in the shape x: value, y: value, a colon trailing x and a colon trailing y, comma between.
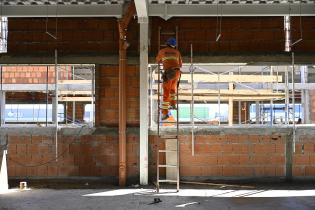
x: 192, y: 119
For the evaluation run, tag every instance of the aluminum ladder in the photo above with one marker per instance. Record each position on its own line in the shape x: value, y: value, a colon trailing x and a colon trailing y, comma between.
x: 164, y: 137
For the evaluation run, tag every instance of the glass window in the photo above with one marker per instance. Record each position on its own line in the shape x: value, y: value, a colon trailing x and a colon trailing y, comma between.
x: 203, y: 112
x: 18, y: 113
x: 3, y: 34
x: 278, y: 112
x: 88, y: 113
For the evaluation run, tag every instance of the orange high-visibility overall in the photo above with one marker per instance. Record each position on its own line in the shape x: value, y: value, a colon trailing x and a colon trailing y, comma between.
x: 172, y: 61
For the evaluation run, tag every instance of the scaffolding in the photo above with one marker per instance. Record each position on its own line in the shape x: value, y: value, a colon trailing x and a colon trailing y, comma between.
x: 64, y: 85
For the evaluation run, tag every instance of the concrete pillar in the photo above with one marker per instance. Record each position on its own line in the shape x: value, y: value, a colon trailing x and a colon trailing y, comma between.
x: 231, y: 103
x: 53, y: 111
x: 2, y: 108
x: 144, y: 31
x: 305, y: 97
x: 3, y: 172
x: 257, y: 112
x: 3, y: 165
x: 288, y: 157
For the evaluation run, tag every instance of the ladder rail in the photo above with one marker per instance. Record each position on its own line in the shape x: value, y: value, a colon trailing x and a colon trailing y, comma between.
x: 168, y: 136
x: 158, y: 132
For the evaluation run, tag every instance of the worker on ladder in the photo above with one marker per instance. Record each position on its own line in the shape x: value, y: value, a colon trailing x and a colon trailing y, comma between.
x: 171, y: 59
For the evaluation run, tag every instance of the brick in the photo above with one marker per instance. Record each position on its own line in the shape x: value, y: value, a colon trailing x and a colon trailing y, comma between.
x: 277, y: 160
x: 68, y: 171
x: 312, y: 159
x: 52, y: 171
x: 190, y: 170
x: 211, y: 171
x: 12, y: 149
x: 280, y: 148
x: 230, y: 171
x: 21, y: 149
x: 245, y: 160
x: 32, y: 149
x: 298, y: 171
x: 186, y: 160
x: 16, y: 140
x: 301, y: 159
x: 240, y: 149
x: 269, y: 171
x: 264, y: 148
x: 261, y: 159
x: 11, y: 171
x: 280, y: 171
x: 20, y: 171
x: 309, y: 170
x: 246, y: 171
x: 229, y: 160
x: 227, y: 148
x: 309, y: 148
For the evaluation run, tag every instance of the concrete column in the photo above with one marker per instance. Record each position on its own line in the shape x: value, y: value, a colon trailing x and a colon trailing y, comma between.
x: 3, y: 171
x: 3, y: 165
x: 53, y: 111
x: 2, y: 108
x: 288, y: 156
x: 305, y: 96
x: 144, y: 31
x: 257, y: 112
x: 231, y: 103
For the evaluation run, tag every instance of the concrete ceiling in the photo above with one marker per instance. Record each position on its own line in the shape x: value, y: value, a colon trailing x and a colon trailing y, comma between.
x: 162, y: 8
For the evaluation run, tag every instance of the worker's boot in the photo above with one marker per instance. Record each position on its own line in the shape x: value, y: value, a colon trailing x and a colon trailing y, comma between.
x: 165, y: 116
x: 173, y: 106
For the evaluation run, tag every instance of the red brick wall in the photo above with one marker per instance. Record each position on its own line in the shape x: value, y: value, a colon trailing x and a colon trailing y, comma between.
x: 242, y: 156
x: 216, y: 156
x: 84, y: 156
x: 74, y: 35
x: 108, y: 95
x: 100, y: 35
x: 239, y: 34
x: 308, y: 31
x: 312, y: 106
x: 304, y: 157
x: 79, y: 111
x: 33, y: 74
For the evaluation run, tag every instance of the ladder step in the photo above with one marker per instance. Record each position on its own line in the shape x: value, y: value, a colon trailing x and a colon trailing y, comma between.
x: 168, y: 33
x: 167, y: 180
x: 166, y: 122
x: 163, y: 150
x: 167, y: 166
x: 168, y: 137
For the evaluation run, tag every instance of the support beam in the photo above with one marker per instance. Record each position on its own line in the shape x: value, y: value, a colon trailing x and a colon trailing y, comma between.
x: 3, y: 169
x: 70, y: 10
x: 305, y: 96
x: 123, y: 46
x: 144, y: 31
x: 229, y: 78
x: 231, y: 87
x: 2, y: 108
x: 257, y: 112
x: 167, y: 11
x: 142, y: 11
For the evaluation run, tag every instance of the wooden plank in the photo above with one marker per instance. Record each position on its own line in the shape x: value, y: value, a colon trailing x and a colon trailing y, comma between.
x: 222, y: 92
x: 89, y: 99
x: 229, y: 78
x: 75, y: 81
x: 75, y: 92
x: 226, y: 98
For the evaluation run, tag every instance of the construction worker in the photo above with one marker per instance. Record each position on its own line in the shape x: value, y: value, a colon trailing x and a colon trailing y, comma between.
x: 171, y: 59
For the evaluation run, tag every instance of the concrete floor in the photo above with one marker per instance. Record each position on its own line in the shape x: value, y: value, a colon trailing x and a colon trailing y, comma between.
x: 286, y: 197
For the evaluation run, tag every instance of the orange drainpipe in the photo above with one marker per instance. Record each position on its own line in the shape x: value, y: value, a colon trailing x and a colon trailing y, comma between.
x: 123, y: 45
